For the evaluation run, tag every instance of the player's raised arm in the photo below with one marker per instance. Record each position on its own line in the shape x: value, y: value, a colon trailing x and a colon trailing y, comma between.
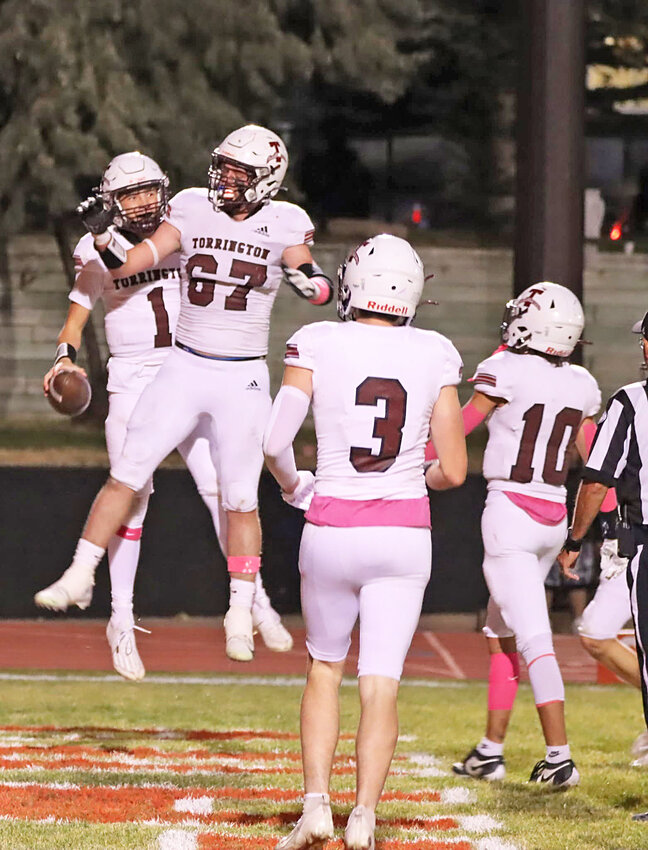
x: 304, y: 276
x: 447, y: 432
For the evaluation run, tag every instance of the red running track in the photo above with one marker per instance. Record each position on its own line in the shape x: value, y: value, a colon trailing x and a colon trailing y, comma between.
x: 197, y: 646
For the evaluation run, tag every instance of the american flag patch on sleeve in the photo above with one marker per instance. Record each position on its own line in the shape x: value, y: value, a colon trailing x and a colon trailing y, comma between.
x: 292, y: 350
x: 485, y: 378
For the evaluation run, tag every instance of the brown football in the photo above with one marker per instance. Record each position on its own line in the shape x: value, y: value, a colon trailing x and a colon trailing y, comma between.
x: 69, y: 392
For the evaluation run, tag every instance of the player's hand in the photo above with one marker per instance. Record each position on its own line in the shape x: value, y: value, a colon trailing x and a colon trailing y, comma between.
x: 304, y: 286
x: 566, y: 561
x: 302, y: 495
x: 96, y: 218
x: 612, y: 564
x: 64, y: 364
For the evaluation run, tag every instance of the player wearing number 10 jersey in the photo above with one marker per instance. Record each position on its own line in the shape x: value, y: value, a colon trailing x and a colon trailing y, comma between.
x: 537, y: 404
x: 235, y: 245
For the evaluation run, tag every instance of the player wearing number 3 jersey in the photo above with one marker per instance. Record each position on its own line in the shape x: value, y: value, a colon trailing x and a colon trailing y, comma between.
x: 235, y: 245
x: 377, y: 386
x: 537, y: 403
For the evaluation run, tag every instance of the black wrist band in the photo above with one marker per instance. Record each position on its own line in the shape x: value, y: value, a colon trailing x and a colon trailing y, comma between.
x: 571, y: 545
x: 64, y: 349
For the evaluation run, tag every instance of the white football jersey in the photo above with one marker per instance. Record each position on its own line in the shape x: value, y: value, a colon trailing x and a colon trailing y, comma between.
x: 141, y: 310
x: 231, y: 271
x: 374, y: 388
x: 528, y: 437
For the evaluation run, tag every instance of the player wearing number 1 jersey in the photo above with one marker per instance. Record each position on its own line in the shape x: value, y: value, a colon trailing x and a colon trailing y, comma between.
x: 377, y: 386
x: 141, y: 313
x: 235, y: 244
x: 537, y: 404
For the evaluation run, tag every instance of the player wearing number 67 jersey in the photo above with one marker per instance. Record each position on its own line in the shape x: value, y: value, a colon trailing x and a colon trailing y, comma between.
x: 141, y: 313
x: 377, y: 386
x: 537, y: 404
x: 235, y: 244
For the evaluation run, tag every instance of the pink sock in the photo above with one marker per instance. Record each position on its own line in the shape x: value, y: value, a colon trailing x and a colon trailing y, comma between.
x: 503, y: 678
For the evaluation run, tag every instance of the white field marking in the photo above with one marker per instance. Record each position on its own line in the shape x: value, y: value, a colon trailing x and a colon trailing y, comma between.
x: 177, y: 839
x: 455, y: 796
x: 217, y: 681
x: 56, y: 786
x: 428, y: 766
x: 478, y: 823
x: 447, y: 656
x: 423, y: 772
x: 406, y: 739
x: 195, y: 805
x: 494, y: 844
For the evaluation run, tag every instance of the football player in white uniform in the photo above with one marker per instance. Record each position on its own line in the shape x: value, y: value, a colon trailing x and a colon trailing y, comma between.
x: 141, y: 313
x: 537, y: 404
x: 377, y: 386
x: 235, y: 245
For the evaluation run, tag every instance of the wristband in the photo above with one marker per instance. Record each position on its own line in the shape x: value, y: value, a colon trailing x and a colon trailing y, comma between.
x: 64, y: 349
x: 571, y: 545
x: 154, y: 251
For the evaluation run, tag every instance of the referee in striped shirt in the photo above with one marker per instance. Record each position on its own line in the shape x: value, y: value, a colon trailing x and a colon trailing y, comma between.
x: 619, y: 458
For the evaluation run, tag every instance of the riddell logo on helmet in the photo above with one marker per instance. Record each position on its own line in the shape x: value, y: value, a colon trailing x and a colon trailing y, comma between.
x: 386, y: 308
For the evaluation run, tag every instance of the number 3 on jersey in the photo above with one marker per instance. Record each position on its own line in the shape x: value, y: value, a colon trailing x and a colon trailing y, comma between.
x: 522, y: 471
x: 388, y: 428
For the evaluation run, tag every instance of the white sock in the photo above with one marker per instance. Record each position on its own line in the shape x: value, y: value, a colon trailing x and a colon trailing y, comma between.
x: 123, y: 556
x: 312, y: 801
x: 241, y: 593
x: 557, y: 754
x: 261, y: 598
x: 486, y: 747
x: 87, y: 555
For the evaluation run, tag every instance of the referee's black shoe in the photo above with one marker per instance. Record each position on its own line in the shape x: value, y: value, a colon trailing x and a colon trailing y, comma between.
x: 490, y: 768
x: 560, y: 775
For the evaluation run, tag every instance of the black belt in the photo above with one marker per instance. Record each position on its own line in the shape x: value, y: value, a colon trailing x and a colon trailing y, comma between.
x: 217, y: 356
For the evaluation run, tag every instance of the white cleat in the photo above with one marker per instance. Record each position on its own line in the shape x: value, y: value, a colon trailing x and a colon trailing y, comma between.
x: 313, y: 829
x: 125, y: 657
x: 640, y: 745
x: 239, y: 643
x: 359, y: 832
x: 73, y: 588
x: 267, y: 623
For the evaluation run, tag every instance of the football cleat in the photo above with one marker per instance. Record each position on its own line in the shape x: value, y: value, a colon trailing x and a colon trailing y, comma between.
x: 239, y: 643
x: 313, y: 829
x: 490, y: 768
x: 125, y: 657
x: 73, y: 588
x: 267, y: 623
x: 561, y: 775
x: 359, y: 832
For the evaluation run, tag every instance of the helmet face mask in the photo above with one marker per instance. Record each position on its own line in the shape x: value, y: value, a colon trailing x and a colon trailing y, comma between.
x: 383, y: 275
x: 137, y: 189
x: 259, y: 153
x: 546, y: 318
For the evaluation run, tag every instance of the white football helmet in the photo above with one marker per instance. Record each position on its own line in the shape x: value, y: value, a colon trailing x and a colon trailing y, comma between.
x: 130, y: 174
x: 262, y: 154
x: 382, y: 275
x: 546, y: 317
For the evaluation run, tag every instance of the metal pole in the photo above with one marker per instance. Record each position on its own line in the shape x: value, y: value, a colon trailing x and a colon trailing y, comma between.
x: 550, y: 145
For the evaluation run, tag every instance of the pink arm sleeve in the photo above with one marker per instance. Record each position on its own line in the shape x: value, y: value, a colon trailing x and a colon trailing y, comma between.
x: 610, y: 501
x: 471, y: 419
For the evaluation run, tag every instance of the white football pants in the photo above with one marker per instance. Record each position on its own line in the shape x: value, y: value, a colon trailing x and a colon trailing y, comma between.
x: 378, y: 574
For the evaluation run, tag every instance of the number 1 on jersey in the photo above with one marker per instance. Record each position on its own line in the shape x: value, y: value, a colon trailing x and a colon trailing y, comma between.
x: 162, y: 337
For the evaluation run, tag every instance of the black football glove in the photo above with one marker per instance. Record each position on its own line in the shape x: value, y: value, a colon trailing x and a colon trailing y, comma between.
x: 94, y: 216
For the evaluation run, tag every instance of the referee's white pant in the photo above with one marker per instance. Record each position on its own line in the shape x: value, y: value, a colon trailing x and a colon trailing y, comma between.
x: 637, y: 575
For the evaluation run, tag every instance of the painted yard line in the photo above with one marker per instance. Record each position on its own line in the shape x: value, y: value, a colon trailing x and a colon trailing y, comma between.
x: 445, y: 654
x: 216, y: 680
x: 260, y: 792
x: 163, y: 733
x: 234, y: 842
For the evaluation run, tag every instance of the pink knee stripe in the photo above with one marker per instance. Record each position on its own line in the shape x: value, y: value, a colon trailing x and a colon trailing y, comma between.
x: 243, y: 564
x: 503, y: 678
x: 129, y: 533
x: 546, y: 655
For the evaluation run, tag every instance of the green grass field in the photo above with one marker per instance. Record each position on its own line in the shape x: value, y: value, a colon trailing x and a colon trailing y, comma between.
x: 160, y: 766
